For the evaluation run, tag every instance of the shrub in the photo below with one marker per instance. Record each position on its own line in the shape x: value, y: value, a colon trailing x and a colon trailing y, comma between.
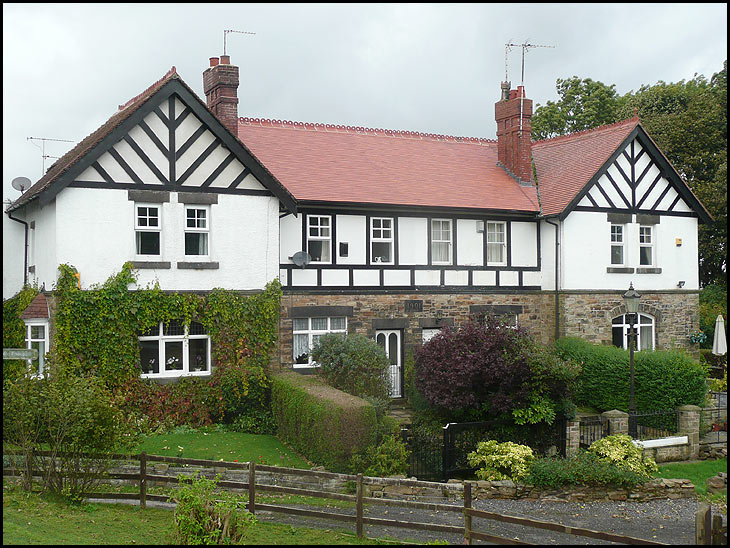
x: 326, y: 425
x: 620, y: 451
x: 585, y: 468
x: 713, y: 301
x: 663, y: 380
x: 14, y: 330
x: 203, y: 516
x: 353, y: 363
x: 500, y: 461
x: 389, y: 458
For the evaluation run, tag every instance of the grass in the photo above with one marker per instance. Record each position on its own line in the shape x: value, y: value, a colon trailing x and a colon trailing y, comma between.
x: 32, y: 518
x: 695, y: 471
x: 219, y: 444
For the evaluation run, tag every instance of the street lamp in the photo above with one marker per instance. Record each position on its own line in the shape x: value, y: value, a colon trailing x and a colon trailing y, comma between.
x: 631, y: 300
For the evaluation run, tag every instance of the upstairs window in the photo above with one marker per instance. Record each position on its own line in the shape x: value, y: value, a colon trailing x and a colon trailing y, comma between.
x: 441, y: 241
x: 617, y: 245
x: 646, y: 245
x: 496, y: 243
x: 381, y: 240
x: 147, y: 227
x: 319, y: 238
x: 174, y: 349
x: 197, y: 230
x: 307, y: 332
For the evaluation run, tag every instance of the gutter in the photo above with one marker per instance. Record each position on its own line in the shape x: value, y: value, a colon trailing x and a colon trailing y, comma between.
x: 25, y: 254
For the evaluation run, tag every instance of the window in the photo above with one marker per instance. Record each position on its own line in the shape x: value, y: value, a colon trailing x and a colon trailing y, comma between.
x: 617, y: 244
x: 307, y: 332
x: 496, y: 243
x: 381, y: 240
x: 441, y: 241
x: 36, y: 338
x: 644, y: 336
x: 147, y: 229
x: 319, y: 238
x: 174, y: 349
x: 197, y: 228
x: 429, y: 333
x: 646, y: 246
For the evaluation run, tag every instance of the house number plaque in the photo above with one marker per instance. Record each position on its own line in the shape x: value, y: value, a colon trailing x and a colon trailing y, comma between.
x: 414, y: 306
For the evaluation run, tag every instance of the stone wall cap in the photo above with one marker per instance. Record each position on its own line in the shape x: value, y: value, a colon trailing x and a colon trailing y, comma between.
x: 689, y: 408
x: 615, y: 413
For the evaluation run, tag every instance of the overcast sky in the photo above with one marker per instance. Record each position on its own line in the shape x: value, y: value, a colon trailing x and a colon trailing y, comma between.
x: 434, y: 68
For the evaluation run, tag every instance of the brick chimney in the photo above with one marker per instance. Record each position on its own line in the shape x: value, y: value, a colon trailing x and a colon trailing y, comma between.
x: 220, y: 84
x: 514, y: 143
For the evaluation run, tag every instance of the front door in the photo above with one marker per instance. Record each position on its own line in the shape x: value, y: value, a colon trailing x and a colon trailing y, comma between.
x: 390, y: 341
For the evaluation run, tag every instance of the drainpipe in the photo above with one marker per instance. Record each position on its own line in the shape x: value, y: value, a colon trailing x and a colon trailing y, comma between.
x: 25, y: 258
x: 557, y: 297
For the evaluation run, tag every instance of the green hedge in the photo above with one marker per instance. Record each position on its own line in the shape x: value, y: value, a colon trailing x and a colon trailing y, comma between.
x: 326, y: 425
x: 662, y: 380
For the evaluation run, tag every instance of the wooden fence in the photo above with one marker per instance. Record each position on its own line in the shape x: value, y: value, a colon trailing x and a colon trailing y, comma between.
x: 359, y: 519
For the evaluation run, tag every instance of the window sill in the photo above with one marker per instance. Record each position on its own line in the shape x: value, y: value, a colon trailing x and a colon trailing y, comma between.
x: 189, y: 265
x: 620, y: 270
x: 648, y: 270
x: 175, y: 376
x: 151, y: 264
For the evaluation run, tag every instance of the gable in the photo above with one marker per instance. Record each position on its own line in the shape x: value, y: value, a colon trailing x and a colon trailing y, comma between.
x: 171, y: 142
x: 637, y: 178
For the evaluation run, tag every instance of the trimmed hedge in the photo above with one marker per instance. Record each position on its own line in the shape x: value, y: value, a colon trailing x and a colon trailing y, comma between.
x: 326, y: 425
x: 662, y: 380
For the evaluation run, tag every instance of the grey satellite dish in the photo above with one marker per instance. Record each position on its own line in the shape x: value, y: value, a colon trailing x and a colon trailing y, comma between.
x: 301, y: 258
x: 21, y: 183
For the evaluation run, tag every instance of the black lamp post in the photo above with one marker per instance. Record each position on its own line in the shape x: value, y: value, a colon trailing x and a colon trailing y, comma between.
x: 631, y: 300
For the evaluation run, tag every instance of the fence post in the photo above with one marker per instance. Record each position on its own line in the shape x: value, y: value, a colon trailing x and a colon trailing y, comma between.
x: 572, y: 437
x: 252, y: 487
x: 143, y: 480
x: 358, y: 507
x: 444, y: 453
x: 688, y: 421
x: 467, y: 517
x: 703, y: 524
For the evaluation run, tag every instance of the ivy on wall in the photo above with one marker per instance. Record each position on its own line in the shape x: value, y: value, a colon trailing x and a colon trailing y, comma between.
x: 14, y: 329
x: 96, y: 330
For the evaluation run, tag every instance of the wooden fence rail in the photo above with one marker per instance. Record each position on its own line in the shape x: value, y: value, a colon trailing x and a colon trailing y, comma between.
x: 359, y: 498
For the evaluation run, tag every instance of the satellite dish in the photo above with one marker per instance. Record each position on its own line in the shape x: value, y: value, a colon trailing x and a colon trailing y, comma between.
x: 21, y: 183
x: 301, y: 258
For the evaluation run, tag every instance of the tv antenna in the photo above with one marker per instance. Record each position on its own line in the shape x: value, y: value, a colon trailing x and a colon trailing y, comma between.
x: 43, y: 148
x: 226, y: 32
x: 525, y: 46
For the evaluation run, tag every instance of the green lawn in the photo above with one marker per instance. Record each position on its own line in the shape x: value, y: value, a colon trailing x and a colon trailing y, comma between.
x: 31, y: 518
x: 219, y: 444
x: 695, y: 471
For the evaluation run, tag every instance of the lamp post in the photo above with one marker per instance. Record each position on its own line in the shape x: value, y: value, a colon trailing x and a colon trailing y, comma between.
x: 631, y: 300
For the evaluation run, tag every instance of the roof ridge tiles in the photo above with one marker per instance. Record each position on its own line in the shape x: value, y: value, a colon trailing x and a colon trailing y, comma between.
x: 168, y: 74
x: 360, y: 130
x: 549, y: 140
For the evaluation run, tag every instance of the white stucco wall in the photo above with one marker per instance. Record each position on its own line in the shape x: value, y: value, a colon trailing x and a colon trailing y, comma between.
x: 95, y: 233
x: 13, y: 253
x: 413, y: 240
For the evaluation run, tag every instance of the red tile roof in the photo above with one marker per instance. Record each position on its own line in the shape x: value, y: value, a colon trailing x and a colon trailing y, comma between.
x: 565, y: 164
x: 318, y: 162
x: 38, y: 308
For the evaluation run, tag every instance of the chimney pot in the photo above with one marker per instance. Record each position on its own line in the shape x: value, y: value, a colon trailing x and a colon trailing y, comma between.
x: 225, y: 59
x: 213, y: 61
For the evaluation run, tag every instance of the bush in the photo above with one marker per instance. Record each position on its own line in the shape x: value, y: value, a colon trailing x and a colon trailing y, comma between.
x: 14, y: 330
x: 389, y: 458
x: 620, y: 451
x: 584, y: 469
x: 663, y: 380
x: 713, y: 301
x: 326, y: 425
x: 353, y: 363
x: 203, y: 516
x: 500, y: 461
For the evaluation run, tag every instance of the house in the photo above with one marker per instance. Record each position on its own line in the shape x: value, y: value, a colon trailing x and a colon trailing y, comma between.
x: 392, y: 234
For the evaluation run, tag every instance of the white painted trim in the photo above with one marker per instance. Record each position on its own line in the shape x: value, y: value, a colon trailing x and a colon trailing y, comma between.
x: 662, y: 442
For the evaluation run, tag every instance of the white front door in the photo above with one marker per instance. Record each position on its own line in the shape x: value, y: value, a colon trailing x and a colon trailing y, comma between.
x: 390, y: 341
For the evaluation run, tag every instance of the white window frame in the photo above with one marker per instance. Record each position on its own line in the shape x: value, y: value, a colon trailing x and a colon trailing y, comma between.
x: 381, y: 239
x: 197, y: 229
x: 146, y: 228
x: 319, y: 228
x: 428, y: 333
x: 625, y: 326
x: 29, y: 340
x: 449, y: 241
x: 311, y: 333
x: 650, y: 244
x: 161, y: 338
x: 502, y: 244
x: 618, y: 243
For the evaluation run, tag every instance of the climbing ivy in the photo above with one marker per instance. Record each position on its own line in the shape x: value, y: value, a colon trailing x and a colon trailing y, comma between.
x: 96, y: 330
x: 14, y: 329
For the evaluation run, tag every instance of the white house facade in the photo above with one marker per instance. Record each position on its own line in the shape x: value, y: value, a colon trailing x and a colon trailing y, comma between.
x: 387, y: 233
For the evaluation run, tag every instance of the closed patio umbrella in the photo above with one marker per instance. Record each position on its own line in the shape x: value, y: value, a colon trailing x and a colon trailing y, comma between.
x: 719, y: 343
